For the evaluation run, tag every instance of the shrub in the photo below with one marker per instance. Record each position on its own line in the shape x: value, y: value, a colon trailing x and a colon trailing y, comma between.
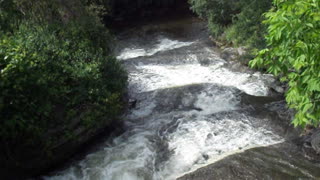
x: 53, y: 70
x: 247, y: 28
x: 293, y: 53
x: 237, y: 22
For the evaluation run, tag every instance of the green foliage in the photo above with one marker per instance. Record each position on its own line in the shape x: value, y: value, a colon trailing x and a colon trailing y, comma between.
x: 9, y: 16
x: 235, y: 21
x: 219, y: 11
x: 247, y: 28
x: 293, y: 53
x: 55, y: 68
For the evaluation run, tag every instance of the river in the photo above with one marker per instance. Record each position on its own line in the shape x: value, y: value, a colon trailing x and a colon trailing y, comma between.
x: 192, y: 107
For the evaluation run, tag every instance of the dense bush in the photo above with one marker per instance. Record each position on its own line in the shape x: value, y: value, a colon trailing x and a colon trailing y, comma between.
x: 234, y: 21
x: 219, y: 11
x: 293, y: 53
x: 55, y: 66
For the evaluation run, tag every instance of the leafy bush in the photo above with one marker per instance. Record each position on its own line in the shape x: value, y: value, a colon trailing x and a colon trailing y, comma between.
x: 247, y: 28
x: 219, y: 11
x: 53, y: 71
x: 9, y: 16
x: 293, y: 53
x: 234, y: 21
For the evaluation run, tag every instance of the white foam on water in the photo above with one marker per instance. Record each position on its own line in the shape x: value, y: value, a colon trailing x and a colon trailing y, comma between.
x: 132, y: 156
x: 165, y: 76
x: 164, y: 45
x: 192, y: 138
x: 132, y: 53
x: 123, y: 161
x: 195, y: 141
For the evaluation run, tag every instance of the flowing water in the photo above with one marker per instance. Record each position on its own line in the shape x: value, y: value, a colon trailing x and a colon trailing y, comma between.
x: 192, y: 108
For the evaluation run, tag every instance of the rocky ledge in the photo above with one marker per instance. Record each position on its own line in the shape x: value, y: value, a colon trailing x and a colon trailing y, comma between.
x: 289, y: 160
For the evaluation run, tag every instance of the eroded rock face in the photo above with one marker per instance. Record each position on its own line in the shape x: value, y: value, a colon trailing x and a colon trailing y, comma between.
x: 282, y: 161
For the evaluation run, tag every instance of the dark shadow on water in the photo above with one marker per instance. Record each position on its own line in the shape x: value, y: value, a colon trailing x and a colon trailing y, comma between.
x: 134, y: 12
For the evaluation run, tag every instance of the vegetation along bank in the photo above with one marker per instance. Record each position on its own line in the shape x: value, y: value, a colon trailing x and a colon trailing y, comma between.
x: 59, y: 83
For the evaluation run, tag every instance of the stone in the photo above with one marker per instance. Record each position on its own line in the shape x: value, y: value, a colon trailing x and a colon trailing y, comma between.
x: 232, y: 54
x: 315, y: 141
x: 132, y: 103
x: 280, y: 161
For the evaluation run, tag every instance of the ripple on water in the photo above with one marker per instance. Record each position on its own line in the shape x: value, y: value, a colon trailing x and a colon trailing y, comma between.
x: 163, y: 45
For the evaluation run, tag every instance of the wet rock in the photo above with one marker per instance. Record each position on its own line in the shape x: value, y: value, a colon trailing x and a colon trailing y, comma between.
x: 209, y: 136
x: 315, y: 141
x: 132, y: 103
x: 204, y: 62
x: 185, y: 98
x: 310, y: 143
x: 197, y: 109
x: 282, y: 161
x: 239, y: 67
x: 232, y: 54
x: 278, y: 89
x: 205, y: 156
